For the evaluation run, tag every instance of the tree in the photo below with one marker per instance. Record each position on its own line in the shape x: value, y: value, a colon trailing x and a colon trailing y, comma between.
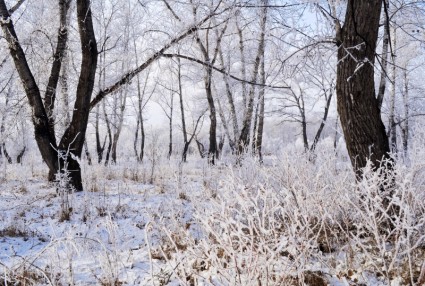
x: 210, y: 58
x: 68, y: 151
x: 243, y: 140
x: 357, y: 104
x: 72, y: 141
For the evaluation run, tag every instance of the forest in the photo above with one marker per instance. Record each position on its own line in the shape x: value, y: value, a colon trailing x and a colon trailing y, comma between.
x: 212, y: 142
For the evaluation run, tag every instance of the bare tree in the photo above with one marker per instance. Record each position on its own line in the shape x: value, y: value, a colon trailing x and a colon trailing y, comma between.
x: 73, y: 139
x: 211, y: 59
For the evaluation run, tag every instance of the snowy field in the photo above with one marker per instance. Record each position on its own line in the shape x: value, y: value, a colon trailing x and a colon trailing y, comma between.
x: 289, y: 221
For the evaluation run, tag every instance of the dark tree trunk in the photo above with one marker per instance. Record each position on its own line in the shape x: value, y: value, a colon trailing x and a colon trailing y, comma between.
x: 213, y: 148
x: 260, y: 127
x: 358, y: 108
x: 136, y: 139
x: 43, y: 136
x: 142, y: 139
x: 99, y: 147
x: 186, y: 143
x: 75, y: 134
x: 108, y: 127
x: 304, y: 125
x: 170, y: 130
x: 212, y: 151
x: 325, y: 117
x: 139, y: 156
x: 86, y: 151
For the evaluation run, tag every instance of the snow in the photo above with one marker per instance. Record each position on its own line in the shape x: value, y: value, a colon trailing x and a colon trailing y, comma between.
x: 202, y: 225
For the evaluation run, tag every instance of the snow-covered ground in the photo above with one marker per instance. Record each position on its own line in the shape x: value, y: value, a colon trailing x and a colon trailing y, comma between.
x: 289, y: 221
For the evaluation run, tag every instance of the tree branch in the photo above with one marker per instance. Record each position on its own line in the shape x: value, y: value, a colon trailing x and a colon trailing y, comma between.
x: 16, y: 7
x: 220, y: 70
x: 130, y: 75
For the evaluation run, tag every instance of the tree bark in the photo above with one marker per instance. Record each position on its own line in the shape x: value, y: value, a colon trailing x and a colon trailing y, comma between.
x: 75, y: 134
x: 358, y: 107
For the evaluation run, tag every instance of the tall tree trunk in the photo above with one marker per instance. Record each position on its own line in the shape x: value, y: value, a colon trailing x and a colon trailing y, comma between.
x: 405, y: 124
x: 259, y: 137
x: 136, y: 139
x: 63, y: 79
x: 75, y: 134
x: 392, y: 126
x: 142, y: 139
x: 3, y: 151
x: 170, y: 132
x: 58, y: 57
x: 303, y: 120
x: 212, y: 151
x: 100, y: 148
x: 140, y: 96
x: 243, y: 63
x: 384, y: 63
x: 185, y: 142
x: 243, y: 140
x: 234, y: 117
x: 109, y: 131
x: 358, y: 107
